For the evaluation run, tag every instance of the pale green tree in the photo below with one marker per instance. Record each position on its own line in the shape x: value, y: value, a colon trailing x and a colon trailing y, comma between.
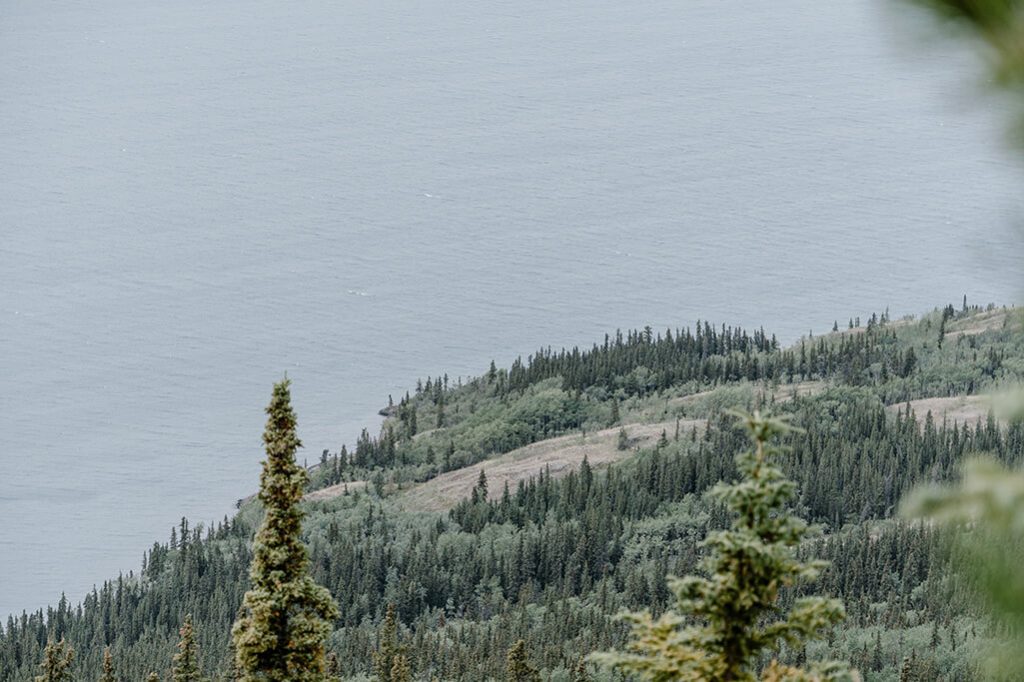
x: 108, y: 674
x: 400, y: 670
x: 727, y: 622
x: 56, y: 665
x: 987, y: 507
x: 517, y: 665
x: 186, y: 666
x: 286, y: 617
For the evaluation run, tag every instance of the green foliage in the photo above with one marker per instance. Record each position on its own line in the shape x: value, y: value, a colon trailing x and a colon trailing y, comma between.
x: 108, y: 667
x: 286, y: 617
x: 386, y: 656
x: 400, y: 670
x: 518, y: 668
x: 998, y: 27
x: 988, y: 507
x: 186, y: 666
x: 725, y: 622
x: 552, y: 561
x: 56, y: 665
x: 580, y: 672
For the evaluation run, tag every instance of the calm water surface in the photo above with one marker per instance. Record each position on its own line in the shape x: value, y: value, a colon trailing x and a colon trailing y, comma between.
x: 196, y: 197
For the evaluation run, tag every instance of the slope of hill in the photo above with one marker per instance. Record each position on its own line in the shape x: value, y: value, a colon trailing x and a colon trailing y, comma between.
x: 589, y: 525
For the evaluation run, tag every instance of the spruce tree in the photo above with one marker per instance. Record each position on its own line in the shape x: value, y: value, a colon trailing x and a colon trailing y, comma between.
x: 400, y: 671
x: 185, y: 666
x: 56, y: 665
x: 518, y: 666
x: 108, y: 667
x: 153, y: 677
x: 726, y: 623
x: 286, y: 619
x: 387, y: 647
x: 579, y: 673
x: 332, y: 665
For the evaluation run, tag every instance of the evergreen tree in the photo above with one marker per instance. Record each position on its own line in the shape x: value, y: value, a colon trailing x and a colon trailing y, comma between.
x: 518, y: 666
x: 579, y: 673
x: 56, y: 665
x: 286, y: 616
x: 387, y: 647
x: 735, y: 618
x: 907, y: 672
x: 185, y: 667
x: 153, y: 677
x: 479, y: 493
x: 400, y: 670
x: 108, y: 667
x: 333, y: 667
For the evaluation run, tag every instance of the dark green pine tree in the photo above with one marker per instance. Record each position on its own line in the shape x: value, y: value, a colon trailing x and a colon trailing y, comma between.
x: 108, y: 667
x: 185, y: 666
x: 518, y: 666
x: 387, y: 646
x: 286, y: 617
x: 56, y: 665
x: 726, y: 623
x: 580, y: 673
x: 333, y: 666
x: 479, y: 493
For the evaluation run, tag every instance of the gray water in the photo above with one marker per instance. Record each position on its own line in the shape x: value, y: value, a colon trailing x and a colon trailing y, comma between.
x: 197, y: 197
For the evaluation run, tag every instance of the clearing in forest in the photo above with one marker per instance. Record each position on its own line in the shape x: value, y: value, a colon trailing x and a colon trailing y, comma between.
x: 559, y: 455
x: 964, y: 409
x: 332, y: 491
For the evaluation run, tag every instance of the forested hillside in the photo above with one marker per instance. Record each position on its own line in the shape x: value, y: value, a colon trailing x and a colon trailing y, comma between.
x: 546, y: 540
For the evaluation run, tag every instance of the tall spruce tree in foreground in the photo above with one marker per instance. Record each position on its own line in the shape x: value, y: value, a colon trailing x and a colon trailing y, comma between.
x: 730, y: 621
x: 286, y: 617
x: 56, y: 665
x: 186, y: 662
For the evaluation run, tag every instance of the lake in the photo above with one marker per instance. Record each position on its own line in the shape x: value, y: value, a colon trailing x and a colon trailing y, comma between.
x: 197, y: 197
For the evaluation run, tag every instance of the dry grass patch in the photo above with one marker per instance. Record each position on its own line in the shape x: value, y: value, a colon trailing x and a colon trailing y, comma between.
x: 783, y: 393
x: 801, y: 389
x: 332, y: 491
x: 559, y: 455
x: 983, y: 322
x: 966, y: 409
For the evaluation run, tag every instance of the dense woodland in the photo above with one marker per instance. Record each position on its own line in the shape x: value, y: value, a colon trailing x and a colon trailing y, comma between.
x: 552, y: 560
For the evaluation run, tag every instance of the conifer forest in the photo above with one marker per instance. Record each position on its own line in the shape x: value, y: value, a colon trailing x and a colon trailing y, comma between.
x: 503, y: 526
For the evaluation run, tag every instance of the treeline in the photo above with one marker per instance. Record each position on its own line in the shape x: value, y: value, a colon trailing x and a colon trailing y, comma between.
x: 447, y: 425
